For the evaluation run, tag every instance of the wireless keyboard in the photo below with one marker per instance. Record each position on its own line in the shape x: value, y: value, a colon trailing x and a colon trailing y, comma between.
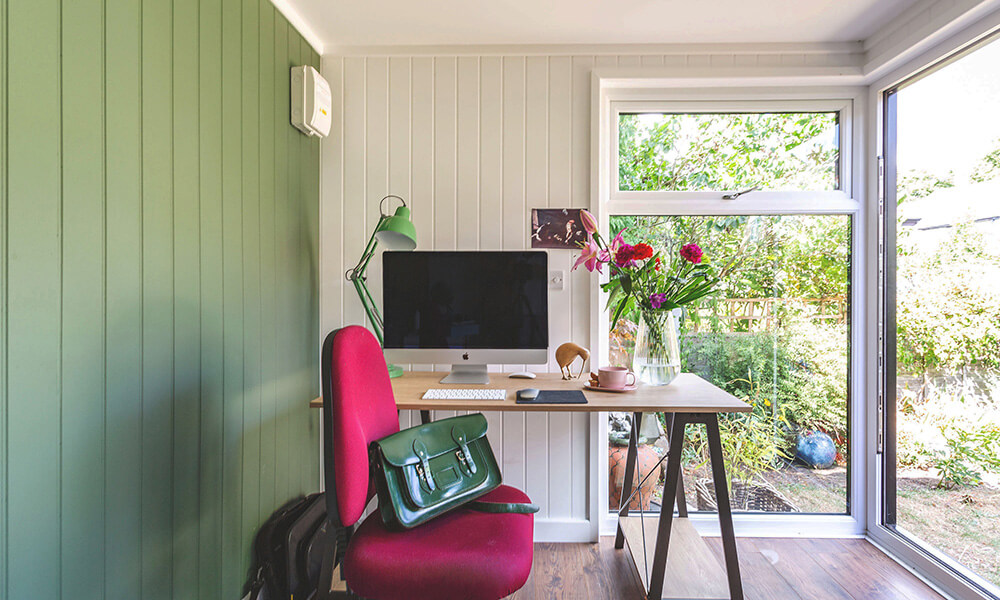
x: 465, y: 394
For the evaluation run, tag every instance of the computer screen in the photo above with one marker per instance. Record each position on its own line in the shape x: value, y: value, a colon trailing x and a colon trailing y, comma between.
x: 465, y: 300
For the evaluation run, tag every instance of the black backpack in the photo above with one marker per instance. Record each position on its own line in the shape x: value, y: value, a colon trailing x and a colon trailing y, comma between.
x: 290, y: 550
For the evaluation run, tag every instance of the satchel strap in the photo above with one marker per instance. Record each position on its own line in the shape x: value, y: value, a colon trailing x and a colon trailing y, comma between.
x: 465, y: 457
x: 424, y: 468
x: 521, y: 508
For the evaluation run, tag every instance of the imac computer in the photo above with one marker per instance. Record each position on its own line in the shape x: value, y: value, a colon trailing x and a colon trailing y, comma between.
x: 469, y: 309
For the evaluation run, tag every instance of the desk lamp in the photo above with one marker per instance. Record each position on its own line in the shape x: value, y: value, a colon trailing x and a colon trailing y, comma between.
x: 395, y: 232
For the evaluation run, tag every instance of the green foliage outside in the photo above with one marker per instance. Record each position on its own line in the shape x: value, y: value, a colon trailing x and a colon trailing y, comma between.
x: 950, y: 433
x: 775, y: 151
x: 799, y: 361
x: 915, y: 185
x: 758, y: 256
x: 948, y: 313
x: 948, y: 331
x: 988, y: 167
x: 801, y: 370
x: 967, y: 453
x: 793, y: 367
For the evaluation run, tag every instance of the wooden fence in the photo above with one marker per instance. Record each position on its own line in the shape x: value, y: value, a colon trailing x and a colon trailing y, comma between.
x: 764, y: 314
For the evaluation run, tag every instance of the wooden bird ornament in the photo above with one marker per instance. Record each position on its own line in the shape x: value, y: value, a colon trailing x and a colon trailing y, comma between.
x: 566, y: 354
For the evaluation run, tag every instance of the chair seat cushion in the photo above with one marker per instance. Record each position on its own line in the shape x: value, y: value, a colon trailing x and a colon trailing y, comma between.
x: 464, y: 555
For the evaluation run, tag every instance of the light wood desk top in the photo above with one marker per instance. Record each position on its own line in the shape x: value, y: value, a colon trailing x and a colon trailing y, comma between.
x: 686, y: 394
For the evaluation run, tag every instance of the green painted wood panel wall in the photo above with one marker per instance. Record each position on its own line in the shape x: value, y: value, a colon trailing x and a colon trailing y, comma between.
x: 159, y: 335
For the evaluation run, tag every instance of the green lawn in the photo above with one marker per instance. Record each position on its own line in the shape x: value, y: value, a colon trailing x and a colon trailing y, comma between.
x: 964, y: 522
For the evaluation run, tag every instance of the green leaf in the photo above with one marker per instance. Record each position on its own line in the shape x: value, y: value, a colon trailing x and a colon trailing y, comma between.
x: 618, y: 313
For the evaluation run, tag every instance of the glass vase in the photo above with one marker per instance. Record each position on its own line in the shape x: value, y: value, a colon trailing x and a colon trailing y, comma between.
x: 657, y: 357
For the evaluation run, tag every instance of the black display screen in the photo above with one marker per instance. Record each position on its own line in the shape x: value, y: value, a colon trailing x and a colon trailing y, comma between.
x: 465, y: 300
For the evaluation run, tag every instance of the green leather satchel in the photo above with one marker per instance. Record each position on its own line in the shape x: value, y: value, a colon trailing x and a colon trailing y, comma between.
x: 425, y: 471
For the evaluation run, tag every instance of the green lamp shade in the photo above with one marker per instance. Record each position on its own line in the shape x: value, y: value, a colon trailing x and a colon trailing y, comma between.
x: 397, y: 232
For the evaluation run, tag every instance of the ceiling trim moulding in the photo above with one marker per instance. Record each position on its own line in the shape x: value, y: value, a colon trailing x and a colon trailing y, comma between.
x: 300, y: 25
x: 853, y: 49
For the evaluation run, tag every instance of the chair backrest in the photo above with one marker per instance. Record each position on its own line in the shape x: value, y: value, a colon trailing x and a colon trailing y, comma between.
x: 358, y: 408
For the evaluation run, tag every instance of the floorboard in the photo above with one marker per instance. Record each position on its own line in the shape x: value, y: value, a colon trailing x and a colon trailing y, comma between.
x: 773, y: 569
x: 800, y: 570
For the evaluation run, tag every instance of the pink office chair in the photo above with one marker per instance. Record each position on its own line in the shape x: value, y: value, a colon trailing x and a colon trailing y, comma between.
x: 463, y: 555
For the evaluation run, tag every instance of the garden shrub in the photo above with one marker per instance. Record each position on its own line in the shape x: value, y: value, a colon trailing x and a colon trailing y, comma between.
x: 948, y: 314
x: 801, y: 369
x: 968, y: 451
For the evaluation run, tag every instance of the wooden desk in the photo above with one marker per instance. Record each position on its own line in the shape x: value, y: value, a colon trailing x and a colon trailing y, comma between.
x: 693, y: 570
x: 687, y: 394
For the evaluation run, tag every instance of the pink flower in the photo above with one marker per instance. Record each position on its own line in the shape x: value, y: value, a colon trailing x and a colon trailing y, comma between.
x: 657, y: 300
x: 589, y: 222
x: 592, y: 256
x: 692, y: 253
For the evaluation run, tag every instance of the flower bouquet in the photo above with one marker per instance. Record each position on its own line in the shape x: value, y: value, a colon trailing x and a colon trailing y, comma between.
x: 654, y: 283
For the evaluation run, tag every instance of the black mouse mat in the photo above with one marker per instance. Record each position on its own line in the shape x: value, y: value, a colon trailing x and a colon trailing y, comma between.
x: 555, y: 397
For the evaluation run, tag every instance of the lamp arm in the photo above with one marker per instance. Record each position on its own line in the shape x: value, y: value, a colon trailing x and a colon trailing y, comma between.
x: 369, y: 306
x: 374, y: 314
x: 359, y: 269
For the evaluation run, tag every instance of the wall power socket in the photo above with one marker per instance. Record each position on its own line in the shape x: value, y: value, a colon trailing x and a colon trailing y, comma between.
x: 556, y: 279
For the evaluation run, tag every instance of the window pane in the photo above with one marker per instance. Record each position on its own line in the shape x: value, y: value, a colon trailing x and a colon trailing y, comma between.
x: 948, y: 312
x: 728, y: 151
x: 774, y: 333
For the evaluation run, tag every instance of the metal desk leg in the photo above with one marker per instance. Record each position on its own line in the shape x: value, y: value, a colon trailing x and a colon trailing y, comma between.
x: 630, y: 460
x: 425, y: 417
x: 725, y: 512
x: 682, y: 507
x: 667, y: 509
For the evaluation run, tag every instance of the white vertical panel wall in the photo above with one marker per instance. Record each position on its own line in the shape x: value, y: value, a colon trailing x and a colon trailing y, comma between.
x: 473, y: 144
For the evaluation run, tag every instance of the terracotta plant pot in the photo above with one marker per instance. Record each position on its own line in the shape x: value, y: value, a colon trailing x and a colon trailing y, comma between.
x: 648, y: 459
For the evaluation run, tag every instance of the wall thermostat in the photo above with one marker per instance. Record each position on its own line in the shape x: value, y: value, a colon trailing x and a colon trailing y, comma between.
x: 311, y: 101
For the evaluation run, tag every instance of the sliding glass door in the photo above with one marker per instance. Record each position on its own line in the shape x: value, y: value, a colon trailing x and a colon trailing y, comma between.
x: 941, y: 261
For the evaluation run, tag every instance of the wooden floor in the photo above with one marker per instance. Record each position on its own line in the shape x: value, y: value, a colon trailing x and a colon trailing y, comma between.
x: 773, y: 569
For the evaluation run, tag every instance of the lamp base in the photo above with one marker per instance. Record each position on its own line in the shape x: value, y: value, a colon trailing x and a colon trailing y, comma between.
x: 394, y: 370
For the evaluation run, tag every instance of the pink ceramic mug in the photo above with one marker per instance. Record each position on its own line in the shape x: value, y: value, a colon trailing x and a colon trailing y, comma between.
x: 614, y: 378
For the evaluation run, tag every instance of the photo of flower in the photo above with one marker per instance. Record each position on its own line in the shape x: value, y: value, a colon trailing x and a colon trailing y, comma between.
x: 558, y: 228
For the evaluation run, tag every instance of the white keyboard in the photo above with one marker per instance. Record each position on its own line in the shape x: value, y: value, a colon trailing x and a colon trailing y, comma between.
x: 465, y: 394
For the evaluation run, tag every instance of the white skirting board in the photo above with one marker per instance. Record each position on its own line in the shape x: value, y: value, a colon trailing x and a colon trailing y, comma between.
x: 564, y: 530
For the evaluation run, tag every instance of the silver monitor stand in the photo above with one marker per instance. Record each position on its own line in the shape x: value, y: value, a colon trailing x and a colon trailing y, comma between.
x: 465, y: 374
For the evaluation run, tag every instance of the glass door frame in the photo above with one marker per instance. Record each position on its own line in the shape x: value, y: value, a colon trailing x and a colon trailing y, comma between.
x: 614, y: 97
x: 937, y: 568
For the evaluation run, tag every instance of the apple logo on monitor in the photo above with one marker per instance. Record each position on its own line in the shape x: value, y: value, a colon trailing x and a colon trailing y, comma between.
x: 465, y: 356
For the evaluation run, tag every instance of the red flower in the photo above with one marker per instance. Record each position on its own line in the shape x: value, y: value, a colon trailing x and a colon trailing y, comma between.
x: 692, y: 253
x: 625, y: 255
x: 642, y: 251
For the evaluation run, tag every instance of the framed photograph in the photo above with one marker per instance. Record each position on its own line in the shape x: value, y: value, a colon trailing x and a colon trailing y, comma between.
x: 557, y: 228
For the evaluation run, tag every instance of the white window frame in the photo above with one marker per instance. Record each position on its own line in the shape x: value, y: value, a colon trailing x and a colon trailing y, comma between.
x: 927, y: 562
x: 782, y: 201
x: 613, y: 96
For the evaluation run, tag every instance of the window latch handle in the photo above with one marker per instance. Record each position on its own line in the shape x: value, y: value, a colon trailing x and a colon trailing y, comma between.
x: 735, y: 195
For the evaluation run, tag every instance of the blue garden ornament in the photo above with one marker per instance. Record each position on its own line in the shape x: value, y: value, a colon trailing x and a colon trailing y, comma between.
x: 816, y: 449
